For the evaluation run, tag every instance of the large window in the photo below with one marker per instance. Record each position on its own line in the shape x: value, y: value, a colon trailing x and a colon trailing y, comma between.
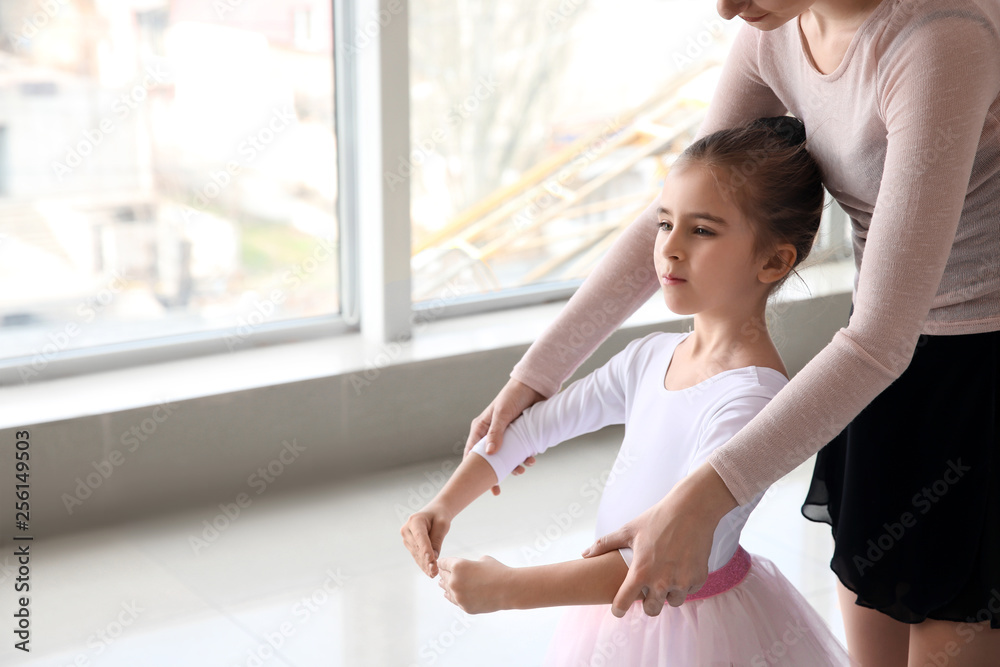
x: 167, y: 168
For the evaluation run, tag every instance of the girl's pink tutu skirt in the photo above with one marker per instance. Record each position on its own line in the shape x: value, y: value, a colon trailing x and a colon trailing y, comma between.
x: 761, y: 621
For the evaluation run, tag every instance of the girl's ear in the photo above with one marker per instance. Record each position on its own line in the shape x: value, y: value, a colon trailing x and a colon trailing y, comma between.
x: 779, y: 264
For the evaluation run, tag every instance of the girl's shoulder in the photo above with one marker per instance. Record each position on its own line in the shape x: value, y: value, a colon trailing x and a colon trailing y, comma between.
x: 648, y: 352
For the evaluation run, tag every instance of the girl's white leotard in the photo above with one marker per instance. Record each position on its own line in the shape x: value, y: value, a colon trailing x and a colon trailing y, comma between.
x: 762, y: 619
x: 667, y: 433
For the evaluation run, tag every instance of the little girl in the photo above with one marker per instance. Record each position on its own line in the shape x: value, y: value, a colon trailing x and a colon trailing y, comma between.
x: 738, y: 211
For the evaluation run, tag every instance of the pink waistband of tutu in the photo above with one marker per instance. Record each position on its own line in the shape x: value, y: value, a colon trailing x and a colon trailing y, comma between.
x: 726, y: 577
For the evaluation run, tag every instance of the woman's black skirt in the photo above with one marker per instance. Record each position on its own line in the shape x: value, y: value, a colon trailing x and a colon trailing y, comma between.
x: 911, y: 488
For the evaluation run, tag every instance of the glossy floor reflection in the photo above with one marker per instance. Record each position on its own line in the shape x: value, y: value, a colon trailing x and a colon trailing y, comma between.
x: 321, y: 577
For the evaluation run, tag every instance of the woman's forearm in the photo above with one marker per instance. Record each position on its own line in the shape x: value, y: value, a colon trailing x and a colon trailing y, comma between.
x: 623, y: 280
x: 585, y: 581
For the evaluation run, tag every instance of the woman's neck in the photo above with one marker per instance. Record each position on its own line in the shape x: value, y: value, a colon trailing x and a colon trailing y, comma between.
x: 831, y: 16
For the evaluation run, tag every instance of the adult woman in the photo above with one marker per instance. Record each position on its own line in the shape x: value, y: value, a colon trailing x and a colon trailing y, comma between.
x: 900, y: 99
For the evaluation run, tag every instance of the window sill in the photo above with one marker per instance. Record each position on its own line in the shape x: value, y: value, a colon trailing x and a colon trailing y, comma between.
x: 174, y: 381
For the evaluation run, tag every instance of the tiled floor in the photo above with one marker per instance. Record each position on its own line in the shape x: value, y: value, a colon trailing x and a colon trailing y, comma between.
x: 321, y: 577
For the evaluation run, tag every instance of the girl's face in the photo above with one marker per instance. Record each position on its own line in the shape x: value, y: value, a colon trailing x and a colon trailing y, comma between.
x: 704, y: 250
x: 763, y: 14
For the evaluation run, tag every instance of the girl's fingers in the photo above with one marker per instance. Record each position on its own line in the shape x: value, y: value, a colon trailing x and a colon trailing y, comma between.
x: 418, y: 544
x: 421, y: 546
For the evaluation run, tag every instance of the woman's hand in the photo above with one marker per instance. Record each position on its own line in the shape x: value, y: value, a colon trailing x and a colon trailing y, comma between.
x: 478, y: 587
x: 513, y: 399
x: 671, y: 542
x: 423, y: 533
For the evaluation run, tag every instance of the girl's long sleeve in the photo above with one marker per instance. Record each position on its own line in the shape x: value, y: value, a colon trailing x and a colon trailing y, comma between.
x: 587, y: 405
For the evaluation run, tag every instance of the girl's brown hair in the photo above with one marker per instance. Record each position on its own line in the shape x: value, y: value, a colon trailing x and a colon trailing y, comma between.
x: 772, y: 178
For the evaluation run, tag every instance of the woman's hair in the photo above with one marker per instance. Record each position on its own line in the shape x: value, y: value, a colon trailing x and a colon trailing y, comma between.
x: 772, y: 178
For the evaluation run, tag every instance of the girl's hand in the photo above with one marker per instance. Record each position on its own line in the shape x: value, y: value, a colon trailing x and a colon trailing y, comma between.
x: 477, y: 587
x: 423, y: 533
x: 671, y: 542
x: 513, y: 399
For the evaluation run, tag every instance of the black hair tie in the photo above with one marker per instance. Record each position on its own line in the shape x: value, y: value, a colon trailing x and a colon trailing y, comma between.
x: 791, y: 130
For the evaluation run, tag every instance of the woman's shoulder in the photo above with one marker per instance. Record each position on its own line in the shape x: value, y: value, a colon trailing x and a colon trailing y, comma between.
x: 937, y: 23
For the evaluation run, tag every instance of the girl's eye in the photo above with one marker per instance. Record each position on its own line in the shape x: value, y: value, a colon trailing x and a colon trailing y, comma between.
x: 665, y: 225
x: 701, y: 231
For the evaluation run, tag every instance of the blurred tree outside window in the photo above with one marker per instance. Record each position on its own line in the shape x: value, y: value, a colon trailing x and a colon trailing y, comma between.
x: 541, y: 129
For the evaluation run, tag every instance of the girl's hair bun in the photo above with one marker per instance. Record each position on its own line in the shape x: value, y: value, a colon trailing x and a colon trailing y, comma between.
x: 791, y: 130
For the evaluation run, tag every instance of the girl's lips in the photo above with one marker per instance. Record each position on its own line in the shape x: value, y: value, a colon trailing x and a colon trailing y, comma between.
x: 671, y: 280
x: 752, y: 19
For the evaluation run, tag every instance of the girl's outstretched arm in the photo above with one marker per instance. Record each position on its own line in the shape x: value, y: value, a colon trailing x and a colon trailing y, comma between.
x: 488, y: 585
x: 585, y: 406
x: 423, y: 533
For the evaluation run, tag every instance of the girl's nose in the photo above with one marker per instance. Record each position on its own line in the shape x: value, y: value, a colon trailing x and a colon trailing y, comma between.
x: 729, y: 8
x: 672, y: 246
